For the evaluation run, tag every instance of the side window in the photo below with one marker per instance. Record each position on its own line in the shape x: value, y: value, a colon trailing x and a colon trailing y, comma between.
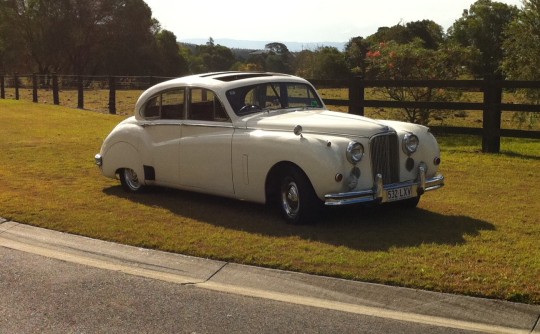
x: 167, y: 105
x: 302, y: 96
x: 205, y: 106
x: 172, y: 104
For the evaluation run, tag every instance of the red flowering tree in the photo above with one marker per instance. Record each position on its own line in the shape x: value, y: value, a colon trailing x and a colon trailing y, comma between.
x: 393, y: 61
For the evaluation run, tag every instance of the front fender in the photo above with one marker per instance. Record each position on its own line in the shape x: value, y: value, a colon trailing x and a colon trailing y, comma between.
x: 255, y: 153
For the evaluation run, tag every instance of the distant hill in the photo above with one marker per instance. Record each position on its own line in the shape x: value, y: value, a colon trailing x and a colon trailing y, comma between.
x: 259, y: 45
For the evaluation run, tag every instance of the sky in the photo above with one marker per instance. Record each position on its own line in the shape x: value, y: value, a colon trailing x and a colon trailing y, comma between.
x: 299, y: 20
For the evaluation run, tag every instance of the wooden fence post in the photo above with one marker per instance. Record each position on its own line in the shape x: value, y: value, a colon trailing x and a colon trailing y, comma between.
x: 356, y: 96
x: 34, y: 88
x: 56, y: 96
x: 2, y: 87
x: 491, y: 133
x: 80, y: 92
x: 16, y: 84
x: 112, y: 95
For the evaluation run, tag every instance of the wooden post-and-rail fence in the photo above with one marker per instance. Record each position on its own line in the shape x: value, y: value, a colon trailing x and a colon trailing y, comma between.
x: 491, y: 106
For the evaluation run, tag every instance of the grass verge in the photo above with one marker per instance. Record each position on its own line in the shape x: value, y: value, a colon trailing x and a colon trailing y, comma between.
x: 476, y: 236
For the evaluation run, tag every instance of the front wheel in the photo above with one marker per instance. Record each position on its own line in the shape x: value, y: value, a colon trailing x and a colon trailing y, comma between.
x: 129, y: 180
x: 298, y: 202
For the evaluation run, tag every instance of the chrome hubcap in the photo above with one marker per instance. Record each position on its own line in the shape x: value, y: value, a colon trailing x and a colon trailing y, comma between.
x: 290, y: 199
x: 131, y: 179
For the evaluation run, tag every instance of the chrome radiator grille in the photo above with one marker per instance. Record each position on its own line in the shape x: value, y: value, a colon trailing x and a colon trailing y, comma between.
x: 385, y: 157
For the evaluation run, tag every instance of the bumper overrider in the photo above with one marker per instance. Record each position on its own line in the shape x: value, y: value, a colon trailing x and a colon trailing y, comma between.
x: 381, y: 193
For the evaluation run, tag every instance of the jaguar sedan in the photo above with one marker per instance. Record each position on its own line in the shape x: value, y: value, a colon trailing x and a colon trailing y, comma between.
x: 268, y: 138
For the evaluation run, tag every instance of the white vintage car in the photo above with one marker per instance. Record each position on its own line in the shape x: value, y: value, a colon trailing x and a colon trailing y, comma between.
x: 267, y: 138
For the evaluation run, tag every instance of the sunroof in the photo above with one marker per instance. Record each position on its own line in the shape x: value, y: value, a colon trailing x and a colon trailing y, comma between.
x: 216, y: 73
x: 240, y: 76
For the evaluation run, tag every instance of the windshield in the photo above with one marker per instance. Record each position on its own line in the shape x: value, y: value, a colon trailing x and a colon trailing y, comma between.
x: 271, y: 96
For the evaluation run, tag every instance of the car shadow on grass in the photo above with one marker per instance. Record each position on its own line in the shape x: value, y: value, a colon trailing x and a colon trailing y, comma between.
x: 361, y: 228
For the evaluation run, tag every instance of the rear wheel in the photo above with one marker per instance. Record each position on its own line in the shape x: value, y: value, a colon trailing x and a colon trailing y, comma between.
x: 297, y: 199
x: 129, y: 180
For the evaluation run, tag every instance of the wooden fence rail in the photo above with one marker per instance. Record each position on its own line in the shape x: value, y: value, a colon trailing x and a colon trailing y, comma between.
x: 491, y: 105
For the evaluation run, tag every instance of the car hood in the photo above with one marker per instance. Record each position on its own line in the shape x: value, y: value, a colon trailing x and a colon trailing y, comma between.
x: 319, y: 121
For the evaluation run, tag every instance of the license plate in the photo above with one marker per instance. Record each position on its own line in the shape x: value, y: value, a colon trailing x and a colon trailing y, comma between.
x: 398, y: 194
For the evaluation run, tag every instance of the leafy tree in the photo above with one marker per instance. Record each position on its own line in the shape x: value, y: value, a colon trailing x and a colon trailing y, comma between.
x: 278, y: 58
x: 329, y: 63
x: 41, y: 26
x: 257, y: 59
x: 85, y: 34
x: 81, y: 36
x: 522, y: 53
x: 355, y: 54
x: 522, y: 45
x: 482, y: 27
x: 211, y: 58
x: 275, y: 57
x: 413, y: 61
x: 277, y: 48
x: 397, y: 33
x: 430, y: 33
x: 246, y: 66
x: 170, y: 61
x: 304, y: 63
x: 130, y: 39
x: 12, y: 52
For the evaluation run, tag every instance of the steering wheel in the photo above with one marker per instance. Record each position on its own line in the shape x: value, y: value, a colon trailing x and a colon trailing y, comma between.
x: 248, y: 108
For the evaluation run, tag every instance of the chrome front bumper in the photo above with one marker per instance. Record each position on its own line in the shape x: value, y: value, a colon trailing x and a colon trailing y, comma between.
x: 379, y: 191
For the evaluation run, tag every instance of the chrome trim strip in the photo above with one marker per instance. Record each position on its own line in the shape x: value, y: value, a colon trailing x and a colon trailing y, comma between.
x: 227, y: 126
x: 144, y: 125
x: 207, y: 125
x: 304, y: 132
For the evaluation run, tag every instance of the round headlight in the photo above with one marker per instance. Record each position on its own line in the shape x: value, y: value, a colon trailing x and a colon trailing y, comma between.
x: 355, y: 152
x: 410, y: 143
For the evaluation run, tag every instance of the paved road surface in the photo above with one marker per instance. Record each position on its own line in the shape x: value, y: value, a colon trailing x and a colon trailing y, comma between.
x: 52, y: 282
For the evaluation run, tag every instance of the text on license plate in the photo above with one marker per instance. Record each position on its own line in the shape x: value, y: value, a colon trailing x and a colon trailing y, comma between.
x: 398, y: 194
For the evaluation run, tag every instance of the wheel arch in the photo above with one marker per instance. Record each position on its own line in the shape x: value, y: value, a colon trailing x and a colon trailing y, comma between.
x: 271, y: 185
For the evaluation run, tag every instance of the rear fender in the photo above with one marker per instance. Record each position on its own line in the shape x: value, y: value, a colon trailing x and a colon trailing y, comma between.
x: 121, y: 155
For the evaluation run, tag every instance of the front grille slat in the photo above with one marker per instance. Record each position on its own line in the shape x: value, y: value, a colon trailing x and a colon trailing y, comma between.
x: 385, y: 157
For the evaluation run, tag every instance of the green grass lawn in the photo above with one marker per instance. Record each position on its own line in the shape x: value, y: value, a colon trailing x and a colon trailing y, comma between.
x: 477, y: 236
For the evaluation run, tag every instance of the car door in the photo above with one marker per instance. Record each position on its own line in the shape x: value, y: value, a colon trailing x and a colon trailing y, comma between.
x: 163, y: 116
x: 206, y: 143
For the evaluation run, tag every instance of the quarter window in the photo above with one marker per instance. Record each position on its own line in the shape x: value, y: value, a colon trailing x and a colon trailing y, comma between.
x: 167, y: 105
x: 151, y: 110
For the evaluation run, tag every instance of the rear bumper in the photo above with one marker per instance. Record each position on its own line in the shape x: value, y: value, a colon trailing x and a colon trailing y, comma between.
x: 98, y: 160
x: 379, y: 192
